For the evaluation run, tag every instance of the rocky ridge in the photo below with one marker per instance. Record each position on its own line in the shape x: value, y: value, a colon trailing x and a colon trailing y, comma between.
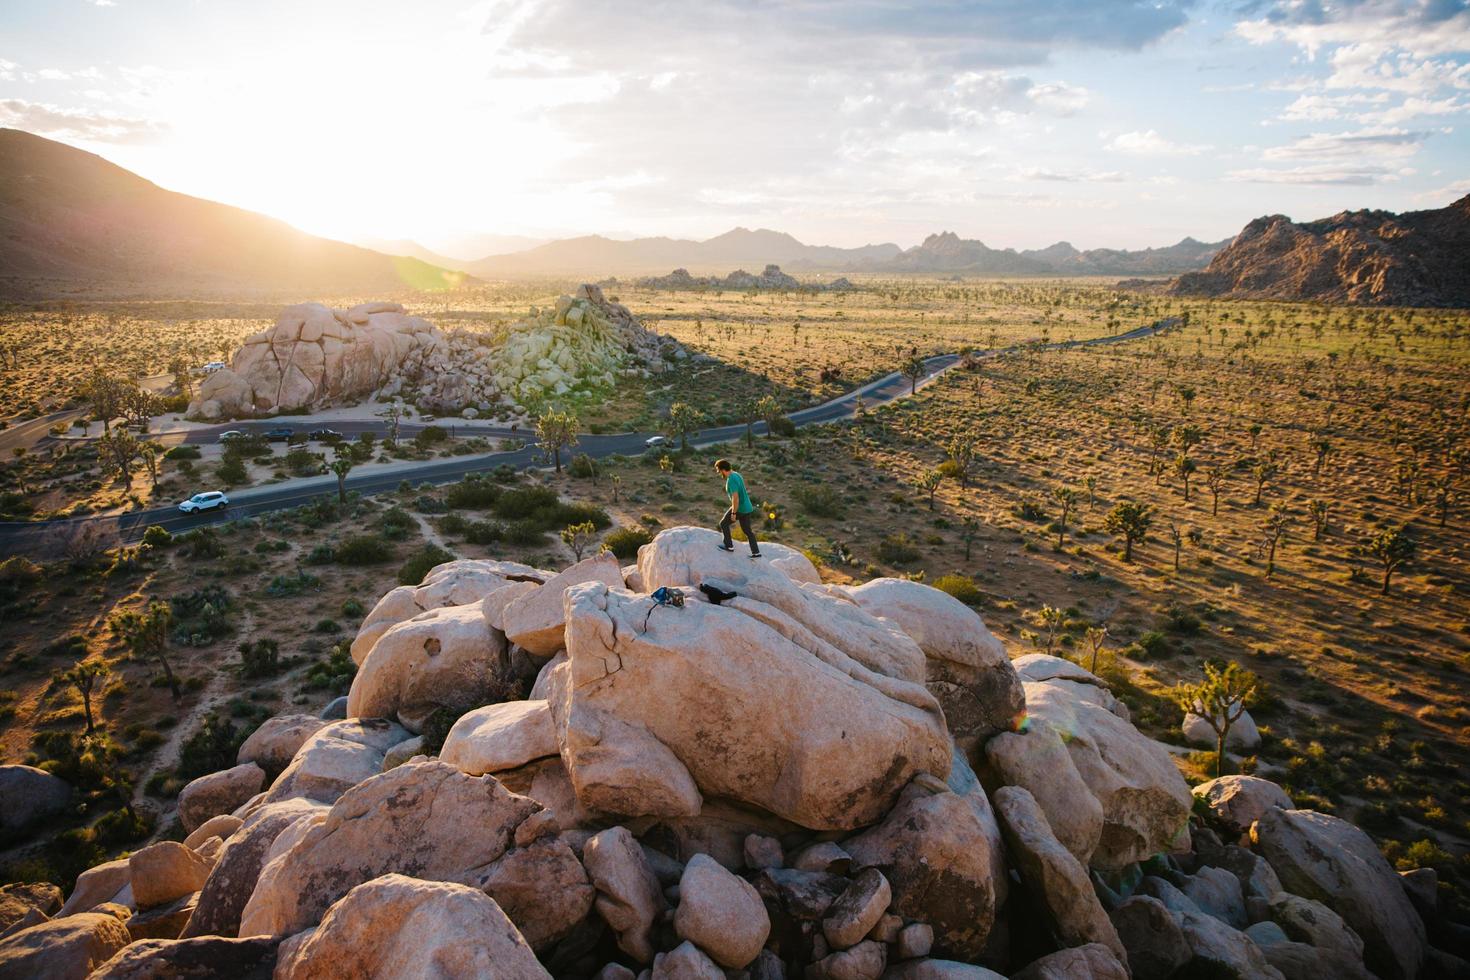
x: 770, y: 278
x: 1369, y: 257
x: 314, y: 357
x: 807, y: 780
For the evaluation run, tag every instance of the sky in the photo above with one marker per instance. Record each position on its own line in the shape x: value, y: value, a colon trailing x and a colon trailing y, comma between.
x: 1112, y: 123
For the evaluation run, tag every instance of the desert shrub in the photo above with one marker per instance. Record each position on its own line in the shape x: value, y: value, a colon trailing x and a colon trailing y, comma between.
x: 322, y: 554
x: 897, y: 549
x: 209, y: 748
x: 624, y: 542
x: 582, y: 466
x: 396, y: 524
x: 321, y: 511
x: 303, y: 462
x: 962, y: 587
x: 524, y: 502
x: 202, y: 544
x: 1029, y: 508
x: 364, y: 549
x: 231, y: 472
x: 334, y: 673
x: 820, y: 500
x: 260, y: 657
x: 183, y: 452
x: 87, y: 762
x: 201, y: 616
x: 351, y: 608
x: 157, y: 537
x: 563, y: 514
x: 484, y: 532
x: 432, y: 435
x: 248, y: 446
x: 426, y: 504
x: 1180, y: 619
x: 417, y: 566
x: 525, y: 533
x: 436, y: 729
x: 783, y: 426
x: 282, y: 586
x: 455, y: 524
x: 124, y: 826
x: 473, y: 493
x: 1153, y: 644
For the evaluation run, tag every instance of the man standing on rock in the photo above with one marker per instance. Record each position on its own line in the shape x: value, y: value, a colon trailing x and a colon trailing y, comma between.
x: 740, y: 508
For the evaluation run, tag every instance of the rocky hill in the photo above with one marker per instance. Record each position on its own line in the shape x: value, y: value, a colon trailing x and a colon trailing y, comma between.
x: 770, y: 278
x: 946, y: 252
x: 550, y: 775
x: 70, y: 220
x: 1417, y: 258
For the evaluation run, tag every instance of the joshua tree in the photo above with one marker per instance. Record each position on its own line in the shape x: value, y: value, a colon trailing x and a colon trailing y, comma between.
x: 1392, y: 547
x: 341, y: 465
x: 84, y: 677
x: 146, y: 634
x: 1050, y: 620
x: 1130, y: 521
x: 961, y: 453
x: 1090, y: 485
x: 139, y: 407
x: 684, y: 419
x: 106, y: 395
x: 928, y: 482
x: 178, y: 366
x: 1277, y: 524
x: 969, y: 531
x: 1186, y: 396
x: 394, y: 414
x: 1095, y: 636
x: 1066, y: 497
x: 1185, y: 467
x: 913, y: 370
x: 1215, y: 480
x: 1186, y: 437
x: 1158, y: 440
x: 556, y: 431
x: 1263, y: 472
x: 1443, y: 493
x: 1255, y: 433
x: 578, y: 537
x: 120, y: 450
x: 748, y: 410
x: 1220, y: 699
x: 770, y: 412
x: 617, y: 484
x: 1323, y: 448
x: 1317, y: 510
x: 1177, y: 534
x: 148, y: 452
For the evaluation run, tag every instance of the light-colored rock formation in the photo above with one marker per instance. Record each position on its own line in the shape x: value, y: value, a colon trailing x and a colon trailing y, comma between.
x: 448, y: 657
x: 192, y: 959
x: 336, y: 758
x: 1218, y: 893
x: 1239, y: 801
x: 1057, y: 879
x: 165, y: 871
x: 832, y: 752
x: 221, y: 826
x: 66, y: 948
x: 1306, y: 920
x: 1038, y: 759
x: 536, y: 620
x: 1073, y: 678
x: 966, y: 667
x: 1145, y: 801
x: 720, y: 913
x: 31, y: 795
x: 500, y: 736
x: 19, y: 899
x: 96, y: 885
x: 402, y: 927
x: 865, y: 961
x: 932, y: 969
x: 628, y: 895
x: 273, y: 745
x: 542, y: 887
x: 1219, y: 950
x: 411, y: 818
x: 219, y: 792
x: 1322, y: 857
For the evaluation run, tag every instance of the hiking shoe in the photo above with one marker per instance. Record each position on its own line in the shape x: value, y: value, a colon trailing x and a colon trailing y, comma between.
x: 755, y: 555
x: 725, y: 547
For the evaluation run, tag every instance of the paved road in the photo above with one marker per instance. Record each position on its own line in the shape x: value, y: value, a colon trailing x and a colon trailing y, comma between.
x: 49, y: 537
x: 25, y: 435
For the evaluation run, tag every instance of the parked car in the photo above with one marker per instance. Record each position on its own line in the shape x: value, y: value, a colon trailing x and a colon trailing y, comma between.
x: 209, y: 500
x: 211, y: 367
x: 324, y: 435
x: 230, y: 435
x: 656, y: 441
x: 281, y: 434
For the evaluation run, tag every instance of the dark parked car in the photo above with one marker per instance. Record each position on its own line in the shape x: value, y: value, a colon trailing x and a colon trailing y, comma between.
x: 325, y: 435
x: 283, y: 434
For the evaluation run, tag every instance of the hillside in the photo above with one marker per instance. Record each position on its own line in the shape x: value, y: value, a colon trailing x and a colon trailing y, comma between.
x: 947, y: 252
x: 1368, y: 257
x: 70, y: 221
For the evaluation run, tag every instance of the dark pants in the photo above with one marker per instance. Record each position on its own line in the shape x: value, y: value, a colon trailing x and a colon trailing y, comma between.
x: 744, y: 519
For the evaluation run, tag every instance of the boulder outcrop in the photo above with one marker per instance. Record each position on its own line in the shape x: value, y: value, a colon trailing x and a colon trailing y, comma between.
x: 31, y: 795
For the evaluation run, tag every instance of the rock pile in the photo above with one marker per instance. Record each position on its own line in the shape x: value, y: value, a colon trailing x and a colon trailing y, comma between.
x: 315, y: 356
x: 782, y: 785
x: 770, y: 278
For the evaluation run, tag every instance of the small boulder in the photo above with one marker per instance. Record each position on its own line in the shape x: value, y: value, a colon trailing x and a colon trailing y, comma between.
x: 221, y: 826
x: 1306, y: 920
x: 19, y: 898
x: 31, y: 795
x: 1217, y: 892
x: 336, y: 758
x: 96, y: 885
x: 1093, y: 962
x: 1149, y: 932
x: 1223, y: 951
x: 166, y: 871
x: 193, y: 959
x: 628, y: 895
x: 536, y: 620
x: 219, y: 792
x: 1238, y: 801
x: 273, y: 745
x: 499, y: 737
x: 395, y: 926
x: 66, y: 948
x: 720, y: 913
x: 685, y: 962
x: 542, y: 887
x: 1242, y: 737
x: 857, y: 910
x: 763, y: 852
x: 865, y: 961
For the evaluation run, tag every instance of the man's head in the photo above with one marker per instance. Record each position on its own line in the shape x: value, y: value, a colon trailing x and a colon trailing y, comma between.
x: 723, y: 465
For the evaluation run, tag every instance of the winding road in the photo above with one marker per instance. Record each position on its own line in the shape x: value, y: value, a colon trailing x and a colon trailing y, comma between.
x: 48, y: 538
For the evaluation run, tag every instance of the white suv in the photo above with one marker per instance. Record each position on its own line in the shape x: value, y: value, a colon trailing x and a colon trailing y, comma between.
x: 204, y: 501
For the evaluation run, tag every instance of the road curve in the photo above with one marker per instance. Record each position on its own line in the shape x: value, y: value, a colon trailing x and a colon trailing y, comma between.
x: 46, y: 538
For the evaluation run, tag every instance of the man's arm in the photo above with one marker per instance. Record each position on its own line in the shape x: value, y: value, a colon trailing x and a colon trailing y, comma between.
x: 734, y: 503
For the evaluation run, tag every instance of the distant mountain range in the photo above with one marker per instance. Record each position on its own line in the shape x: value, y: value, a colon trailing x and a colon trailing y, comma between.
x: 947, y: 252
x: 70, y: 219
x: 1418, y: 258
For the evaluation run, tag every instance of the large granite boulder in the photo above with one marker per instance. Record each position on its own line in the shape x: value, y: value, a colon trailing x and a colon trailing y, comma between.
x: 21, y: 899
x: 1239, y: 801
x: 687, y: 557
x: 219, y: 792
x: 805, y: 733
x: 448, y: 657
x: 274, y: 744
x: 543, y: 887
x: 720, y: 913
x: 628, y: 898
x: 193, y: 959
x: 535, y: 620
x: 1325, y: 858
x: 966, y: 667
x: 501, y: 736
x: 336, y: 758
x: 31, y: 795
x: 411, y: 819
x: 66, y: 948
x: 398, y: 926
x: 165, y: 871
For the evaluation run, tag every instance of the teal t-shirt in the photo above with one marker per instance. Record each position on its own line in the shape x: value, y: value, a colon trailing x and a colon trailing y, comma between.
x: 735, y: 483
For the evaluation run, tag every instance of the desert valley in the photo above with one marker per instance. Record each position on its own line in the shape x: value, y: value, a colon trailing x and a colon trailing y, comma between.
x: 364, y: 610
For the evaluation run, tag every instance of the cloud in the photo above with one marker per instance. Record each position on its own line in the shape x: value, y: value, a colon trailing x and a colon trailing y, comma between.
x: 76, y: 124
x: 1422, y: 27
x: 1353, y: 145
x: 1072, y: 176
x: 1148, y: 143
x: 1358, y: 176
